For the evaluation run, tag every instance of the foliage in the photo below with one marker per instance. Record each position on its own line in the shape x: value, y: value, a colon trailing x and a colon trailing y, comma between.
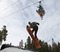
x: 0, y: 36
x: 3, y: 34
x: 28, y: 43
x: 21, y: 44
x: 44, y: 46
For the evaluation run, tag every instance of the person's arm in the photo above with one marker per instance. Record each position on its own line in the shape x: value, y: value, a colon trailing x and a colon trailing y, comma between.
x: 36, y: 23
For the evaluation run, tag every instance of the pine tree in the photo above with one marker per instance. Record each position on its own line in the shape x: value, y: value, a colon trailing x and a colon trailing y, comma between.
x: 58, y: 47
x: 21, y: 44
x: 0, y: 37
x: 29, y: 43
x: 4, y: 33
x: 49, y: 48
x: 25, y: 46
x: 54, y: 46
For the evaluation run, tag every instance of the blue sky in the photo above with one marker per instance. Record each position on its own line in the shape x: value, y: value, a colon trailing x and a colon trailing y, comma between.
x: 16, y: 18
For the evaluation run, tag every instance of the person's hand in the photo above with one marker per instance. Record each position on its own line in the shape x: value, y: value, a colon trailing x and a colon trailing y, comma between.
x: 38, y: 23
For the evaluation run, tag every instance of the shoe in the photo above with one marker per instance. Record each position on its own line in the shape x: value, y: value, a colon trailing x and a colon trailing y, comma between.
x: 36, y: 38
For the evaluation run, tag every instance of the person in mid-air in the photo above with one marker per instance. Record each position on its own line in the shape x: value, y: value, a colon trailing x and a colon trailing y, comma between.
x: 34, y: 26
x: 41, y: 9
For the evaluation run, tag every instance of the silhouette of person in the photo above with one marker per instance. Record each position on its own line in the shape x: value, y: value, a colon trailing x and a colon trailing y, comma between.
x: 34, y: 26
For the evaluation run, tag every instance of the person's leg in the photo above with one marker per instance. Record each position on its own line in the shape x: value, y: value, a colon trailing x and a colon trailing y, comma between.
x: 36, y: 29
x: 39, y: 10
x: 35, y: 34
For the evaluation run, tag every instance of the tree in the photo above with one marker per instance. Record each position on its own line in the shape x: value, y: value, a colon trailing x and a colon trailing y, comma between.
x: 0, y: 37
x: 28, y: 43
x: 4, y: 33
x: 49, y: 48
x: 46, y: 47
x: 25, y: 46
x: 21, y: 44
x: 58, y: 47
x: 54, y: 47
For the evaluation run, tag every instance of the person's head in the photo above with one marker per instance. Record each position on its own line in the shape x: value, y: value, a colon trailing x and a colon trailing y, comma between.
x: 39, y: 1
x: 4, y: 27
x: 29, y: 23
